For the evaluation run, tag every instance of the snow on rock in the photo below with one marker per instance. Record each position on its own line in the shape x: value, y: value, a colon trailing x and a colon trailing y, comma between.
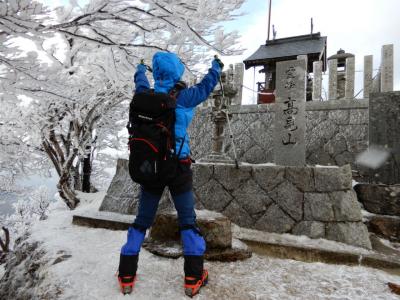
x: 90, y: 271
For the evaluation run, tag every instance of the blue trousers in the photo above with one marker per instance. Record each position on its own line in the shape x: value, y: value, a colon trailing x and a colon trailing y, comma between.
x: 182, y: 195
x: 148, y: 204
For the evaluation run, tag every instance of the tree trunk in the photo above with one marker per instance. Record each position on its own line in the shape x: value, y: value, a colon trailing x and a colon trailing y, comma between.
x: 87, y: 170
x: 66, y: 192
x: 77, y: 178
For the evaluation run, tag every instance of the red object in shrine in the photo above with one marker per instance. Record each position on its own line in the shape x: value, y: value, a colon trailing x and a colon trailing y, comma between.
x: 266, y: 96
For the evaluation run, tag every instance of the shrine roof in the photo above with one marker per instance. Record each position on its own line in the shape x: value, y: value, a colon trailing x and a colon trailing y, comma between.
x: 289, y: 48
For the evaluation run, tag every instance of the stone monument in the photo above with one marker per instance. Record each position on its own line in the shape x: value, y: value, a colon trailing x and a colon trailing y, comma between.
x: 290, y: 121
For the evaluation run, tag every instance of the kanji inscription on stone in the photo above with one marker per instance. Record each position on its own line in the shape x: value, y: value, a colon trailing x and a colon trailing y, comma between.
x: 289, y: 141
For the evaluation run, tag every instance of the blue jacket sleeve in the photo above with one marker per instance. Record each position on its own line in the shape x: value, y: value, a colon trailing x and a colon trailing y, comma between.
x: 140, y: 79
x: 198, y: 93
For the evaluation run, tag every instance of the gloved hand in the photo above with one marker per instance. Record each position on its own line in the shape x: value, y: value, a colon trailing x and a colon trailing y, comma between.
x: 141, y: 68
x: 217, y: 64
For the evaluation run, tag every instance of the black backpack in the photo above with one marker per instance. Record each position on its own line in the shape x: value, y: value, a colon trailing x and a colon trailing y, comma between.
x: 152, y: 158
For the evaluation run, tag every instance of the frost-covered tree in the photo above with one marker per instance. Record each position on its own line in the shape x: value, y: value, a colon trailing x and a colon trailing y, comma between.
x: 27, y: 211
x: 87, y: 85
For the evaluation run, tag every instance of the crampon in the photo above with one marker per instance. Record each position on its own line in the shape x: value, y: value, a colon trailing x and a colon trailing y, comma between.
x: 193, y: 285
x: 126, y: 284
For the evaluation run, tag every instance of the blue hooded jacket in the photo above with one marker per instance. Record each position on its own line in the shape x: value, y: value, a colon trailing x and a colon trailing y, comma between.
x: 167, y: 71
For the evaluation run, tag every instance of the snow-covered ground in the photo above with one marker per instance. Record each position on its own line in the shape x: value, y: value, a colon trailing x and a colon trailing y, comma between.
x: 90, y: 272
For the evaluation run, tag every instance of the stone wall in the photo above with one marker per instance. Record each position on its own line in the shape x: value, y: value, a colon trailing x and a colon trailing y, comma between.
x: 314, y: 201
x: 336, y: 131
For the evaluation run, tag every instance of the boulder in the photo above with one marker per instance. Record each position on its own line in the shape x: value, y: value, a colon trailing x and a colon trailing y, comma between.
x: 385, y: 226
x: 164, y: 237
x: 380, y: 198
x: 215, y: 227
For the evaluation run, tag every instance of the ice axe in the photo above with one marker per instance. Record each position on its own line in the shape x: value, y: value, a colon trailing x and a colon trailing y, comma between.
x: 227, y: 115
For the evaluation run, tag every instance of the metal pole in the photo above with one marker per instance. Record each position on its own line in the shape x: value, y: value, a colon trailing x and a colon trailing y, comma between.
x: 269, y: 19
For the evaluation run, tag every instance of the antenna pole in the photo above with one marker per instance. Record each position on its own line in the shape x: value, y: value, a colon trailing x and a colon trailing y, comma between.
x: 269, y: 19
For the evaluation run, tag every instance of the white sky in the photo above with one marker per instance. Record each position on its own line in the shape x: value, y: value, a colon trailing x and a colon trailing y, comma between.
x: 360, y: 27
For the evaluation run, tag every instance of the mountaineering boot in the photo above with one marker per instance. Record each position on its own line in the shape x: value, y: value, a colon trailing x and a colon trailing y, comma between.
x: 127, y: 272
x: 195, y: 275
x: 193, y: 284
x: 128, y: 261
x: 126, y: 284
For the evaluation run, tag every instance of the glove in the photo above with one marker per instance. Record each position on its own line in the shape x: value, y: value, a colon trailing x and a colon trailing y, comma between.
x: 141, y: 68
x: 217, y: 64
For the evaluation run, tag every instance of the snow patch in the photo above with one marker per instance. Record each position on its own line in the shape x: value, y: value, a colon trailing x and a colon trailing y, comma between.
x: 90, y: 271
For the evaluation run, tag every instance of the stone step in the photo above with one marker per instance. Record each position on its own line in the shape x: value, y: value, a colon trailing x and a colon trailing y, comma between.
x: 102, y: 219
x: 286, y: 246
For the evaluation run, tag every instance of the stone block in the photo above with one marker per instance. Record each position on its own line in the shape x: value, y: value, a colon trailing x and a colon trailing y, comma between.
x: 230, y: 177
x: 289, y: 198
x: 275, y: 220
x: 301, y: 177
x: 358, y: 132
x: 202, y: 173
x: 352, y: 233
x: 253, y: 199
x: 379, y: 198
x: 336, y: 145
x: 359, y: 117
x: 333, y: 179
x: 346, y: 206
x: 311, y: 229
x: 238, y: 215
x: 318, y: 207
x: 321, y: 132
x: 268, y: 177
x: 339, y: 117
x: 320, y: 157
x: 213, y: 195
x: 344, y: 158
x: 215, y: 227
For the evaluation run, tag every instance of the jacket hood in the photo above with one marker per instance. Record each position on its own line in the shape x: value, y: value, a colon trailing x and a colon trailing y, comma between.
x: 167, y: 70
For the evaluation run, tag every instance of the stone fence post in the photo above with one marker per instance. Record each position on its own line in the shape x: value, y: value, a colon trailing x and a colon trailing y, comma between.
x: 368, y: 69
x: 387, y: 68
x: 317, y: 82
x: 332, y: 65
